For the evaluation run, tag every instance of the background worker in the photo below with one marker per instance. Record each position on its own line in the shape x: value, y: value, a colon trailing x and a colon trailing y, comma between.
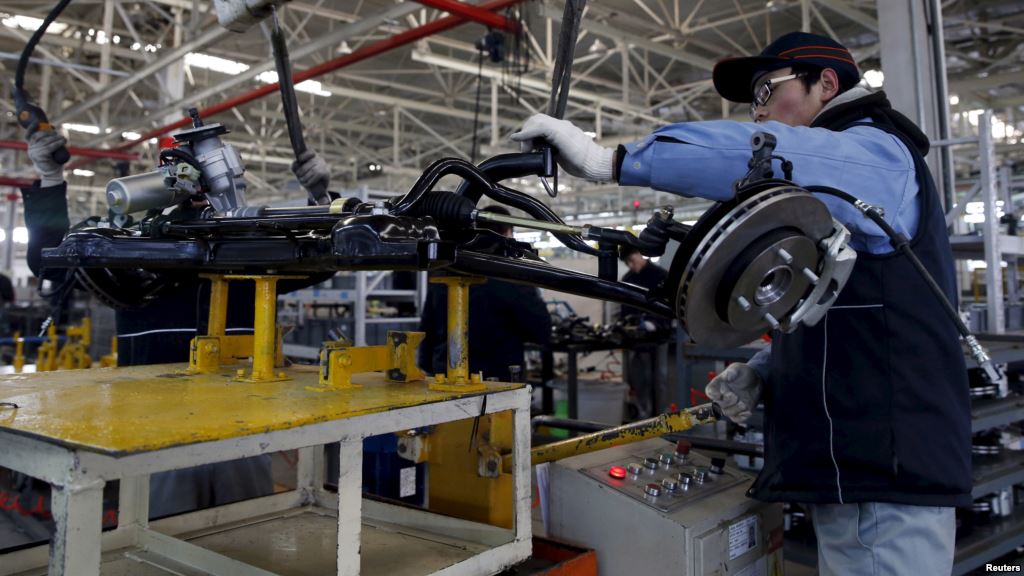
x: 877, y: 445
x: 646, y: 365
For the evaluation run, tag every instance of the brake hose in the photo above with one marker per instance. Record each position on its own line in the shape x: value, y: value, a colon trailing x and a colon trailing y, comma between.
x: 902, y: 245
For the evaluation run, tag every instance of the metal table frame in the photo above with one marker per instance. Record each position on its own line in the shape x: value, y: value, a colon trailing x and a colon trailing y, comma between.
x: 77, y: 477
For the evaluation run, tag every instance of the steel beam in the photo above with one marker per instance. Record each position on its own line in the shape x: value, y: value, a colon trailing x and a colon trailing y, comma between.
x: 537, y: 84
x: 362, y: 26
x: 208, y: 37
x: 842, y: 8
x: 364, y: 53
x: 665, y: 50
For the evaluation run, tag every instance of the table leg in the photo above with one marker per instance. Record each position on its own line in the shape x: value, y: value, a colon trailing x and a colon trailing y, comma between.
x: 78, y: 515
x: 350, y: 505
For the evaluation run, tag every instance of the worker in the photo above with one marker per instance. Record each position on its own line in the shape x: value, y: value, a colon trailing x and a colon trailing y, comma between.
x: 159, y: 332
x: 6, y: 290
x: 867, y: 412
x: 642, y: 271
x: 503, y: 317
x: 646, y: 361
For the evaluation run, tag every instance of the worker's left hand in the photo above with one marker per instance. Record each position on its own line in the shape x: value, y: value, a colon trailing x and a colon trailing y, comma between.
x: 737, y: 390
x: 578, y: 154
x: 311, y: 170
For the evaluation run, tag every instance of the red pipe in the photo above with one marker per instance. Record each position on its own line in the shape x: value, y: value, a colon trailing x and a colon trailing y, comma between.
x: 15, y: 182
x: 474, y: 13
x: 401, y: 39
x: 86, y: 152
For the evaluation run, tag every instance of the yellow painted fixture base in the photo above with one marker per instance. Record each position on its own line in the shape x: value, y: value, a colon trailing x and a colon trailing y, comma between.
x: 441, y: 383
x: 209, y: 352
x: 465, y: 479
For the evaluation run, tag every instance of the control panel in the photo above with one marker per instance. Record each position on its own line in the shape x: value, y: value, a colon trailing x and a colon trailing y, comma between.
x: 666, y: 479
x: 656, y: 507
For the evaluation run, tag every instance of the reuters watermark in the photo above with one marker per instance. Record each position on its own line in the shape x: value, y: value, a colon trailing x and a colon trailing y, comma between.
x: 1002, y: 568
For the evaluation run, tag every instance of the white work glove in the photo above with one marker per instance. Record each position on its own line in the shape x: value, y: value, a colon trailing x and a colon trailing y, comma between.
x: 41, y: 146
x: 311, y: 170
x: 737, y: 390
x: 578, y: 154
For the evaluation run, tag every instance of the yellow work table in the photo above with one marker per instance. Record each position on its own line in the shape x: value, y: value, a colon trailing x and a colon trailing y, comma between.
x: 78, y: 429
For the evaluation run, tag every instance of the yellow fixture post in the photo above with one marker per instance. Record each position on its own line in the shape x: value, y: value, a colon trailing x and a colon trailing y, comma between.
x: 216, y: 347
x: 110, y: 360
x: 46, y: 354
x: 264, y: 350
x: 19, y: 353
x: 458, y: 377
x: 218, y: 316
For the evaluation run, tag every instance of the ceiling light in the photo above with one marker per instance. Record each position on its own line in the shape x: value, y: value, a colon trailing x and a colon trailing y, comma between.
x: 30, y: 23
x: 215, y: 63
x: 87, y: 128
x: 310, y: 86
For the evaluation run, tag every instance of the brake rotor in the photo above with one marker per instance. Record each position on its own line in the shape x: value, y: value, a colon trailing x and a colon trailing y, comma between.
x: 753, y: 267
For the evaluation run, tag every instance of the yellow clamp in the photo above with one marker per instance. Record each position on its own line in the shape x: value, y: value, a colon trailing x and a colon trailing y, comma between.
x: 397, y: 358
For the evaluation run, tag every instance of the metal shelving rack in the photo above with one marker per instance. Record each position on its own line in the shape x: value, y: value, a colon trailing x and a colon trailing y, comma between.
x: 992, y: 475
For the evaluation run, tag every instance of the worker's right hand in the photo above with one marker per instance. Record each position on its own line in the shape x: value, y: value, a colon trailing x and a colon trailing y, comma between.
x: 41, y: 146
x: 311, y: 170
x: 737, y: 390
x: 578, y: 154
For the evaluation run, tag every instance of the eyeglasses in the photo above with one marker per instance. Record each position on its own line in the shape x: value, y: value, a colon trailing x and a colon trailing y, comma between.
x: 763, y: 93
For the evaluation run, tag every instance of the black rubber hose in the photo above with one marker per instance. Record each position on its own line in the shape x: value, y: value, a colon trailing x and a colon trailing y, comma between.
x: 544, y: 275
x: 497, y: 192
x: 503, y: 167
x: 179, y: 154
x: 901, y: 244
x: 30, y: 46
x: 172, y: 154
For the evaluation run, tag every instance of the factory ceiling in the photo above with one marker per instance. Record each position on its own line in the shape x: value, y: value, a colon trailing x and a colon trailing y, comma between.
x: 111, y: 71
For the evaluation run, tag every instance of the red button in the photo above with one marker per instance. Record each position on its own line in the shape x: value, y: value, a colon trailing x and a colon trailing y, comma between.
x: 683, y: 447
x: 617, y: 472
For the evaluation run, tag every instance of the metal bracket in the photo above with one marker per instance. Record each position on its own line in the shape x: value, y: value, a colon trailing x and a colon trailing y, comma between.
x: 397, y: 358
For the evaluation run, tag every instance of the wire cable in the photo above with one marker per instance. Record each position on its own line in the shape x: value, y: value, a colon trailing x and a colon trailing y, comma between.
x: 30, y: 46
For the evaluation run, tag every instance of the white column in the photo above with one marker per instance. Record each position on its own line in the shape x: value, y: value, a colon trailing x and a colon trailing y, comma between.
x: 912, y: 61
x: 993, y: 254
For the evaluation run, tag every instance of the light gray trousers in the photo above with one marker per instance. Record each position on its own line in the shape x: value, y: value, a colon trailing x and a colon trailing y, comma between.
x: 877, y: 538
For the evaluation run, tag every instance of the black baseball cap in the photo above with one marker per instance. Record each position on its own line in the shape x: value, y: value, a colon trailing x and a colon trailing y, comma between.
x: 734, y: 77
